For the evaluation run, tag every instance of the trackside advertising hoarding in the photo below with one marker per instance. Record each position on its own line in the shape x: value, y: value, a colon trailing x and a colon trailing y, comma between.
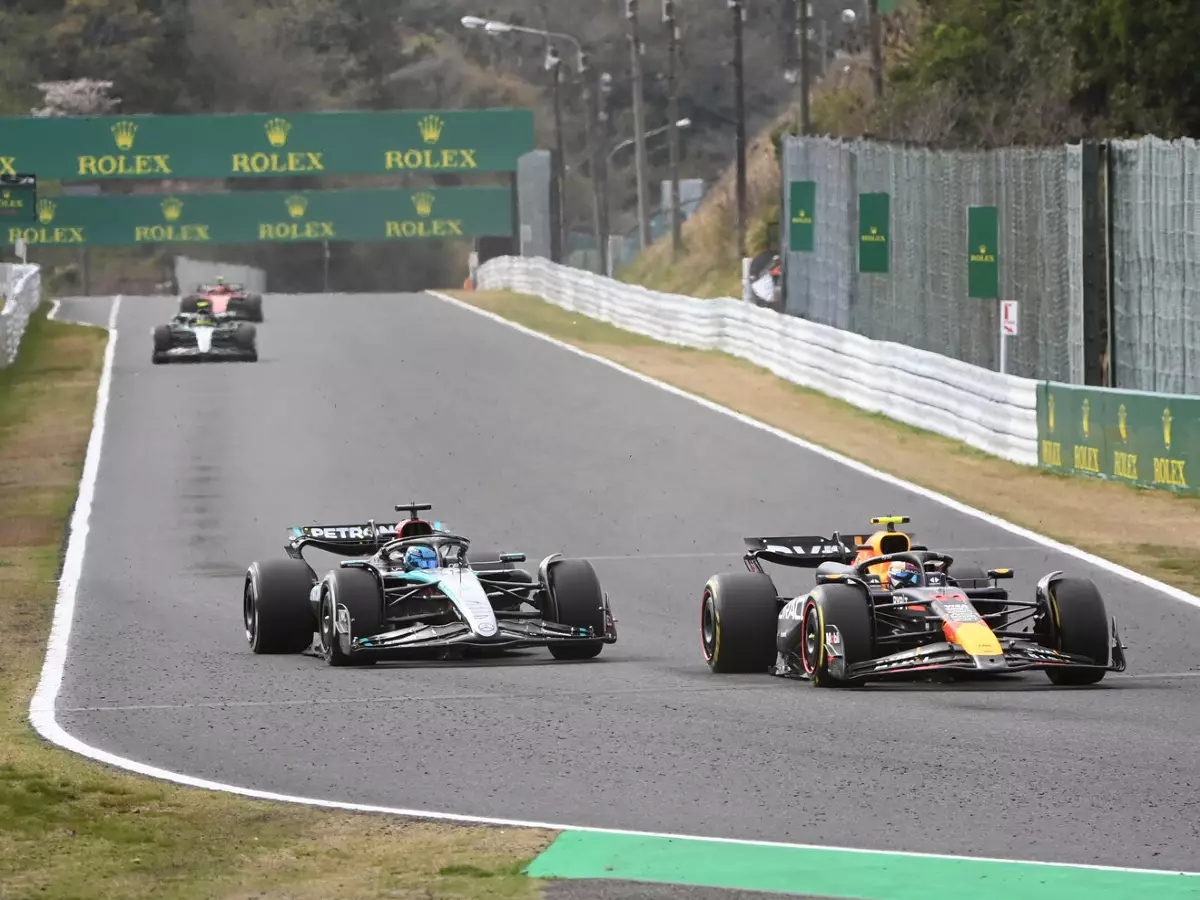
x: 1141, y: 438
x: 75, y: 148
x: 250, y: 217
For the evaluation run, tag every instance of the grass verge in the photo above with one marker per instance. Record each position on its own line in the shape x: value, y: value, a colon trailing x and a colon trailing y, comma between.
x: 73, y: 829
x: 1124, y: 524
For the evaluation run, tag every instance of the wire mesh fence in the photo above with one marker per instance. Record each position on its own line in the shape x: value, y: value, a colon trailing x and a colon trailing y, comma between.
x: 923, y: 300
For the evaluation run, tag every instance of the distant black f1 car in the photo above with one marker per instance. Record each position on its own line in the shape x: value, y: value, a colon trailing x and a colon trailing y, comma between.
x: 885, y: 608
x: 204, y: 336
x: 409, y: 591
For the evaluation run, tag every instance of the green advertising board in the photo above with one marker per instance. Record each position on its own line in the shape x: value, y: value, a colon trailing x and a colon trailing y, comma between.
x: 874, y: 233
x: 802, y: 203
x: 1150, y: 440
x: 75, y: 148
x: 18, y: 197
x: 249, y: 217
x: 983, y: 252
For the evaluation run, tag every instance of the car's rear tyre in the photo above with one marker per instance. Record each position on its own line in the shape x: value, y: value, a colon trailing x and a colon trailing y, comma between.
x: 254, y: 305
x: 573, y: 597
x: 739, y: 612
x: 848, y: 609
x: 358, y: 591
x: 189, y: 305
x: 1078, y: 624
x: 275, y: 607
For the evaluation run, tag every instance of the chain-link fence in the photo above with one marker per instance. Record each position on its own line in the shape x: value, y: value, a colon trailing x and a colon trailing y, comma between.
x: 922, y: 302
x: 1155, y: 259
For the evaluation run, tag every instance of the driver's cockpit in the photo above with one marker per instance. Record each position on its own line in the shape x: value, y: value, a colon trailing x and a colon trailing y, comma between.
x: 416, y: 547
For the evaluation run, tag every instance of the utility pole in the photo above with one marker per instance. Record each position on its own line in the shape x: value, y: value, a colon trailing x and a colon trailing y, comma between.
x: 805, y: 75
x: 554, y: 63
x: 591, y: 115
x: 673, y: 115
x: 605, y: 123
x: 876, y: 48
x: 739, y: 13
x: 639, y: 121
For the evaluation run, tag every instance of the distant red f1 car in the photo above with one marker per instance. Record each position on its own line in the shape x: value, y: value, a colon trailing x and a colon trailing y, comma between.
x: 232, y: 300
x: 884, y: 608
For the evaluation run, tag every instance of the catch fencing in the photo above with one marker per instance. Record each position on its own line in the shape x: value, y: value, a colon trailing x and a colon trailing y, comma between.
x: 1155, y: 261
x: 21, y: 287
x: 992, y: 412
x: 923, y: 300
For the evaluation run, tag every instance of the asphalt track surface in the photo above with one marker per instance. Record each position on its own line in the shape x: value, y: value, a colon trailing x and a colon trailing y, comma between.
x: 360, y: 402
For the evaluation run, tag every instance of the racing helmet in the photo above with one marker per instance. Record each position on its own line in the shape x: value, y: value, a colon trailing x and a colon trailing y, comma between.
x: 420, y: 557
x: 903, y: 574
x: 220, y: 280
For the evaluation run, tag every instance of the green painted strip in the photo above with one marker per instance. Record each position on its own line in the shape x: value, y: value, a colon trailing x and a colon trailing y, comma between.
x: 842, y: 874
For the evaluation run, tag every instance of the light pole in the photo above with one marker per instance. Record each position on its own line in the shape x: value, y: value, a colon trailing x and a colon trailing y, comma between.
x: 681, y: 123
x: 554, y: 65
x: 673, y: 115
x: 491, y: 26
x: 739, y: 17
x: 639, y: 121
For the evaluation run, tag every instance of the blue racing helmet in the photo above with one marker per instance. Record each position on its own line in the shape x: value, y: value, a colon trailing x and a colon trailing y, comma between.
x: 420, y: 557
x: 903, y: 574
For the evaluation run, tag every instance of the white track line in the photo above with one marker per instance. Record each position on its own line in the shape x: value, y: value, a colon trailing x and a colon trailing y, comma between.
x: 42, y: 707
x: 862, y: 468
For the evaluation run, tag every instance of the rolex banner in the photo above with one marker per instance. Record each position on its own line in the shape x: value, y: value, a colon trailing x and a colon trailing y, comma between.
x: 1151, y: 440
x: 249, y: 217
x: 74, y: 148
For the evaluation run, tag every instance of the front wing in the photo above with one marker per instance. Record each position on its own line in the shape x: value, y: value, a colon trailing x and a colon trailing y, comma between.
x: 511, y: 634
x: 192, y: 352
x: 1018, y: 655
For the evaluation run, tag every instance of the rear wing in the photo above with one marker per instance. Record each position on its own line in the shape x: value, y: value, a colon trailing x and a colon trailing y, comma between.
x: 803, y: 551
x: 349, y: 540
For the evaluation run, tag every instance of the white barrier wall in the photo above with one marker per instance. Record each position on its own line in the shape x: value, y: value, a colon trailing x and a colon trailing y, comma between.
x: 21, y: 287
x: 991, y: 412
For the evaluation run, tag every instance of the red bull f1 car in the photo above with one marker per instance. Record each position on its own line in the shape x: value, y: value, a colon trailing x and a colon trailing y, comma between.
x: 885, y: 608
x: 407, y: 590
x: 225, y: 299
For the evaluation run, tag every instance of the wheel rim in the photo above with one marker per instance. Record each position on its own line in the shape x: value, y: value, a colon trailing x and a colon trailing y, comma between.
x: 250, y: 614
x: 328, y: 634
x: 812, y: 638
x: 708, y: 626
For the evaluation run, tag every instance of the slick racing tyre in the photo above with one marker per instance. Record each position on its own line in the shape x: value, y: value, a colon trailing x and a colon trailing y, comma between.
x: 358, y: 592
x: 848, y: 610
x: 162, y: 343
x: 275, y: 607
x: 254, y: 309
x: 1078, y: 624
x: 573, y: 597
x: 189, y: 304
x: 246, y: 337
x: 738, y: 616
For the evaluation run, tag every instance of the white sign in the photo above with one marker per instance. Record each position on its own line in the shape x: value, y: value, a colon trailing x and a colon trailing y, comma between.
x: 20, y: 249
x: 1008, y: 317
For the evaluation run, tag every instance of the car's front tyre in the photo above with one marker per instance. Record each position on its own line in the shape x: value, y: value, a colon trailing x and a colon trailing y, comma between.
x: 357, y: 591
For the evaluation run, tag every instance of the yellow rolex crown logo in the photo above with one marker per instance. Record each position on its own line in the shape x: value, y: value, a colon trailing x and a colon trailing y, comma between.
x: 124, y: 133
x: 431, y: 129
x: 1167, y: 428
x: 983, y: 249
x: 1050, y: 404
x: 6, y: 193
x: 1087, y: 409
x: 277, y: 131
x: 296, y: 205
x: 1121, y: 419
x: 45, y: 211
x: 874, y: 229
x: 172, y: 207
x: 424, y: 204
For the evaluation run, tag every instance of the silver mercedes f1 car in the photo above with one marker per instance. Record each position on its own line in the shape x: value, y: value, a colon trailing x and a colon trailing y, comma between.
x: 408, y: 591
x: 204, y: 336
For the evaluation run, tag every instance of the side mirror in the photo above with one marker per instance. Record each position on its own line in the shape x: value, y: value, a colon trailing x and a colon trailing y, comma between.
x: 512, y: 557
x: 1000, y: 573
